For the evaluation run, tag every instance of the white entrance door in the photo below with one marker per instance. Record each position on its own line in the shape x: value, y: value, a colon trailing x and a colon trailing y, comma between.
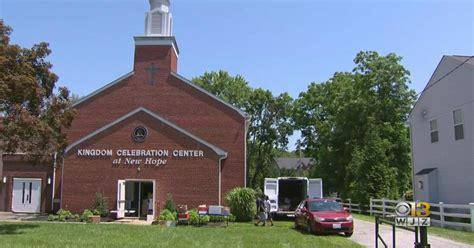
x: 26, y: 197
x: 120, y: 199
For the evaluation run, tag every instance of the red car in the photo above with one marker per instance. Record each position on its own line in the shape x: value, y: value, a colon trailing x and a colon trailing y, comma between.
x: 323, y: 215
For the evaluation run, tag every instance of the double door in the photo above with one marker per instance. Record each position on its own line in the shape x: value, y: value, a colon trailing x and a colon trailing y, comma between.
x: 26, y: 196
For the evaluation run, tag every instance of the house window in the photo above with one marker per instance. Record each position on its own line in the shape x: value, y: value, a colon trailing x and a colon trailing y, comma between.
x: 458, y: 124
x: 420, y: 185
x: 434, y: 131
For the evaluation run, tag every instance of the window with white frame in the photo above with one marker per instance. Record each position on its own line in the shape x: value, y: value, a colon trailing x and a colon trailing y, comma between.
x: 458, y: 124
x: 434, y: 131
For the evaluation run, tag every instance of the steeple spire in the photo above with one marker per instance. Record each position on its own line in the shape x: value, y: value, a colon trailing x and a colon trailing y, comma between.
x: 159, y: 20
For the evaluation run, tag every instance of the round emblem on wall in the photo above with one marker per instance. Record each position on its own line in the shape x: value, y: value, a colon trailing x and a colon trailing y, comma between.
x: 139, y: 134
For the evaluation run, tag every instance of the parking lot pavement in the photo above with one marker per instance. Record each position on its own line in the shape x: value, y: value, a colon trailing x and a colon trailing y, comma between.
x: 364, y: 234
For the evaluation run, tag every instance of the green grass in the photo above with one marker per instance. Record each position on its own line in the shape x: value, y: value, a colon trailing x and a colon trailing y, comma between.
x: 41, y: 234
x: 456, y: 235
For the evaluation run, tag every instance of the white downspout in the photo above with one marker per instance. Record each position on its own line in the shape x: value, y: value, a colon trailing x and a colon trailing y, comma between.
x: 53, y: 183
x: 220, y: 177
x: 62, y: 183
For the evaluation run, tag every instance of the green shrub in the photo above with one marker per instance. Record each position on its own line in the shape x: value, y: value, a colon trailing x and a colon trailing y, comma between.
x: 231, y: 218
x: 100, y: 206
x: 86, y: 215
x: 53, y: 217
x: 242, y: 203
x: 167, y: 215
x: 75, y: 218
x: 204, y: 219
x: 169, y: 204
x: 63, y: 215
x: 216, y: 219
x: 193, y: 217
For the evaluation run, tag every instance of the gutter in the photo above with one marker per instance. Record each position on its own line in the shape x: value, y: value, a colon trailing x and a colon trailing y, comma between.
x: 220, y: 177
x: 53, y: 183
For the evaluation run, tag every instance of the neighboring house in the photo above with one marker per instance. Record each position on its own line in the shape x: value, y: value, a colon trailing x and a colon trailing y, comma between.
x: 297, y: 164
x: 441, y: 124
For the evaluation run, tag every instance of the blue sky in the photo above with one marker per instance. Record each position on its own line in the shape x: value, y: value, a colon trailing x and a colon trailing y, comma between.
x: 281, y: 45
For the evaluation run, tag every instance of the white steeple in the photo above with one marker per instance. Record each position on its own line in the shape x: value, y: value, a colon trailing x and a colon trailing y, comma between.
x: 158, y: 21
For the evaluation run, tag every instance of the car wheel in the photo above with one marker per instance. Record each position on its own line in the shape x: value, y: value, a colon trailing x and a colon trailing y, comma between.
x: 348, y: 234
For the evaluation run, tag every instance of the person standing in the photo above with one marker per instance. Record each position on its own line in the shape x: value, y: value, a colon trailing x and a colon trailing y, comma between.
x: 268, y: 211
x: 261, y: 211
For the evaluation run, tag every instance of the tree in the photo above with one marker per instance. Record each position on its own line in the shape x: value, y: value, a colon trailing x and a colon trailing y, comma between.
x: 353, y: 126
x: 270, y: 120
x: 35, y: 112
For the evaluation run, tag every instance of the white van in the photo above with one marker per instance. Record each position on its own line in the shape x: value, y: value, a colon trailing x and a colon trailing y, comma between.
x: 285, y: 193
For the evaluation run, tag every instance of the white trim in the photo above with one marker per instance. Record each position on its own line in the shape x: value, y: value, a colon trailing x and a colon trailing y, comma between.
x: 118, y: 80
x: 157, y: 41
x: 62, y: 184
x: 220, y: 178
x: 53, y: 183
x: 216, y: 149
x: 154, y: 190
x: 183, y: 79
x: 247, y: 124
x: 27, y: 178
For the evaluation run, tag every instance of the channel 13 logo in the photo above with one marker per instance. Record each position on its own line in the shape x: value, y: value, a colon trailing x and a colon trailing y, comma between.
x: 412, y: 214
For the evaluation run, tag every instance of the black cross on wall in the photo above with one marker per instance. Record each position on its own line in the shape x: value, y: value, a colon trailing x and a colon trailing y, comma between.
x: 151, y: 71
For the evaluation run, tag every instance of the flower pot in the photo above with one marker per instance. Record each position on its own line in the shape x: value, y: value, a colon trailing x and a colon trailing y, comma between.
x: 170, y: 223
x: 95, y: 219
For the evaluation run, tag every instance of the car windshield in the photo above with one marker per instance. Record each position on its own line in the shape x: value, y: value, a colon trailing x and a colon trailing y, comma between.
x: 316, y: 206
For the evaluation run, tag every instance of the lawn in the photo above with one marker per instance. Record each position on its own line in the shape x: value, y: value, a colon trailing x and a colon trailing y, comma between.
x: 460, y: 236
x: 41, y: 234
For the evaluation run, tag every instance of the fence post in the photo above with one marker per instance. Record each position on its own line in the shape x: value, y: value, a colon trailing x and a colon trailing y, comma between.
x: 441, y: 213
x: 383, y: 207
x: 370, y: 206
x: 350, y: 205
x: 472, y: 216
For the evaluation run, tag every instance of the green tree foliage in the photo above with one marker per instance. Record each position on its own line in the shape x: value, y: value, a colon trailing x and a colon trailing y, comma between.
x: 270, y: 120
x: 353, y: 126
x: 35, y: 112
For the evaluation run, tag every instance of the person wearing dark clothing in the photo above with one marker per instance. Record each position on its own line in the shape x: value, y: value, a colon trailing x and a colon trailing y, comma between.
x: 262, y: 216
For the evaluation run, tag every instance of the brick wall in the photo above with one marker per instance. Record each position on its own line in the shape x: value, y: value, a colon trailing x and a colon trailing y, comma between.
x: 179, y: 103
x: 17, y: 167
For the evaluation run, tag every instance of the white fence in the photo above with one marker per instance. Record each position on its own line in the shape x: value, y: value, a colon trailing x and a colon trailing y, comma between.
x: 444, y: 215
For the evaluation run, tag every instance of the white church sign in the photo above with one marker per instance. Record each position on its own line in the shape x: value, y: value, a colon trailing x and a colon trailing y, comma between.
x: 155, y: 157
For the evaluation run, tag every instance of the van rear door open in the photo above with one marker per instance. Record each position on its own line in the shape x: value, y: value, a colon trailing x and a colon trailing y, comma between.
x: 271, y: 190
x: 315, y: 188
x: 285, y: 193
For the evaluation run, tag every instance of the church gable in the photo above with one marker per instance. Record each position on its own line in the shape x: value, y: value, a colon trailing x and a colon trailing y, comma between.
x: 156, y: 122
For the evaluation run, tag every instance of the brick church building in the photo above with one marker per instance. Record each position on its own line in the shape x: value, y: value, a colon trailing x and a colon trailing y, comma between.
x: 145, y: 135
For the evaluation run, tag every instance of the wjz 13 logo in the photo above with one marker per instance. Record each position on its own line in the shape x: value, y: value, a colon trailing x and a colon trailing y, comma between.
x: 412, y: 214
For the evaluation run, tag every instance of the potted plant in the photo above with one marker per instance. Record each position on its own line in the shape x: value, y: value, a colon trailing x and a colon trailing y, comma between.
x: 168, y: 218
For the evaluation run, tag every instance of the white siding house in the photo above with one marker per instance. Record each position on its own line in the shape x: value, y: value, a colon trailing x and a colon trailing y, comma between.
x: 442, y: 130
